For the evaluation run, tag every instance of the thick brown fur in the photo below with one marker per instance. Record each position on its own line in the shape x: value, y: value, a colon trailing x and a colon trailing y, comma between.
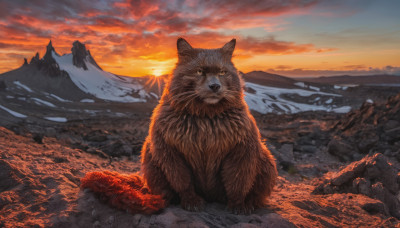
x: 126, y: 192
x: 204, y: 145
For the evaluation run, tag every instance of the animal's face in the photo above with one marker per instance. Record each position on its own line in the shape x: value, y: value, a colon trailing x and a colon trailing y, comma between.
x: 206, y: 75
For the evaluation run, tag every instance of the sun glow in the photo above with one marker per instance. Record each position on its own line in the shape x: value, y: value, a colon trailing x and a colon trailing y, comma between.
x: 158, y: 72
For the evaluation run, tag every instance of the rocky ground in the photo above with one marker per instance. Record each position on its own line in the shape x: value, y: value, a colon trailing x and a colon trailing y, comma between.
x: 335, y: 171
x: 40, y: 188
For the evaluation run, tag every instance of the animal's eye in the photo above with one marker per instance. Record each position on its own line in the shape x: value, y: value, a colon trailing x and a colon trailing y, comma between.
x: 222, y: 72
x: 199, y: 72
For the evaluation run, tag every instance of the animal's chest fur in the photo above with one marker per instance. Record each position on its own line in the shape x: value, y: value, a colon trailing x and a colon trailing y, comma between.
x: 203, y: 141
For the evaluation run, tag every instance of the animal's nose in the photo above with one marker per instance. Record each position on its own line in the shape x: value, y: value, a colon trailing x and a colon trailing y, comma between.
x: 214, y: 87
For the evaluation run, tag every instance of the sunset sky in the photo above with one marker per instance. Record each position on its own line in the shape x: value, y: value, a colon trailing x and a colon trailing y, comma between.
x: 138, y: 37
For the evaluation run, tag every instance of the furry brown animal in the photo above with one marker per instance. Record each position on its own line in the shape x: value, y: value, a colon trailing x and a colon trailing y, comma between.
x: 203, y: 143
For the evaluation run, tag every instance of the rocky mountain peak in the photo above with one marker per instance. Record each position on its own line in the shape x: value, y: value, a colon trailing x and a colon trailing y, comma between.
x: 47, y: 64
x: 50, y: 46
x: 48, y: 57
x: 49, y: 49
x: 81, y: 56
x: 35, y: 59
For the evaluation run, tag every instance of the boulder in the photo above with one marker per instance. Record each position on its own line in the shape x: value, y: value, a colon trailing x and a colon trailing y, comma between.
x: 373, y: 176
x: 342, y: 149
x: 373, y: 127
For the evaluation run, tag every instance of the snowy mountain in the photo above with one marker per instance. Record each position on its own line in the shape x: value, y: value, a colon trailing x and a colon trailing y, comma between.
x: 86, y: 74
x: 266, y: 99
x: 76, y: 76
x: 101, y: 84
x: 62, y: 87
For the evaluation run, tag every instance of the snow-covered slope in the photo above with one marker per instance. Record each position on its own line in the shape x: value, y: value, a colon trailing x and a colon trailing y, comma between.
x: 76, y: 78
x: 101, y: 84
x: 265, y: 99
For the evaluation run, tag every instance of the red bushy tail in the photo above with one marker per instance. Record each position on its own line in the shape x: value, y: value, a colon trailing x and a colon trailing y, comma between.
x: 126, y: 192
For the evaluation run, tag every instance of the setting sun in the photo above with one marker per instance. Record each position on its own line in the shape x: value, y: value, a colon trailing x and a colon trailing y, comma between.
x: 157, y: 72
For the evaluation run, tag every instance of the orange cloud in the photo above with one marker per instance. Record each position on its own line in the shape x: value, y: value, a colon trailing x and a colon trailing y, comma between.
x: 134, y: 37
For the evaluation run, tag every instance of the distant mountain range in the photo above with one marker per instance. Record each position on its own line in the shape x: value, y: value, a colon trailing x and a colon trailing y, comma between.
x: 386, y: 80
x: 57, y: 82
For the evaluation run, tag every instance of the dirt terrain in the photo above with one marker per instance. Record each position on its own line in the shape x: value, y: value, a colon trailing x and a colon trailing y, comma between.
x: 42, y: 164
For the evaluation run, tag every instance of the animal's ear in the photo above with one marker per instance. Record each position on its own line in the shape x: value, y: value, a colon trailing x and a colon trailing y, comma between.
x: 229, y: 47
x: 183, y: 47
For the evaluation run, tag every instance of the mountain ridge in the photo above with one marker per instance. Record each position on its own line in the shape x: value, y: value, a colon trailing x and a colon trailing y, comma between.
x: 76, y: 77
x: 363, y: 80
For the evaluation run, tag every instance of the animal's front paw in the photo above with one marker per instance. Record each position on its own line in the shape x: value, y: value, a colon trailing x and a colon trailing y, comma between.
x: 241, y: 208
x: 192, y: 202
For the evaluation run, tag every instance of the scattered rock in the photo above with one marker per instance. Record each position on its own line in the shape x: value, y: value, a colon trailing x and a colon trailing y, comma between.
x: 362, y: 185
x: 50, y: 132
x: 275, y: 220
x: 117, y: 148
x: 340, y: 148
x: 310, y: 149
x: 375, y: 208
x: 96, y: 136
x: 372, y: 128
x: 98, y: 152
x: 60, y: 160
x: 373, y: 176
x: 286, y: 152
x: 367, y: 142
x: 38, y: 138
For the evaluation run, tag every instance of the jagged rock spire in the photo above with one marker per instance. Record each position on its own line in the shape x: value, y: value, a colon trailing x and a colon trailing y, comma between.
x: 81, y: 55
x: 49, y: 49
x: 25, y: 62
x: 48, y: 64
x: 35, y: 59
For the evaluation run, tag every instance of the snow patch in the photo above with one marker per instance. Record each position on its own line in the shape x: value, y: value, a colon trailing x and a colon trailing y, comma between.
x: 314, y: 88
x: 340, y: 87
x: 303, y: 85
x: 329, y: 101
x: 16, y: 114
x: 57, y: 119
x: 87, y: 101
x: 92, y: 112
x: 300, y: 84
x: 42, y: 102
x: 343, y: 109
x: 154, y: 95
x: 19, y: 84
x: 50, y: 95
